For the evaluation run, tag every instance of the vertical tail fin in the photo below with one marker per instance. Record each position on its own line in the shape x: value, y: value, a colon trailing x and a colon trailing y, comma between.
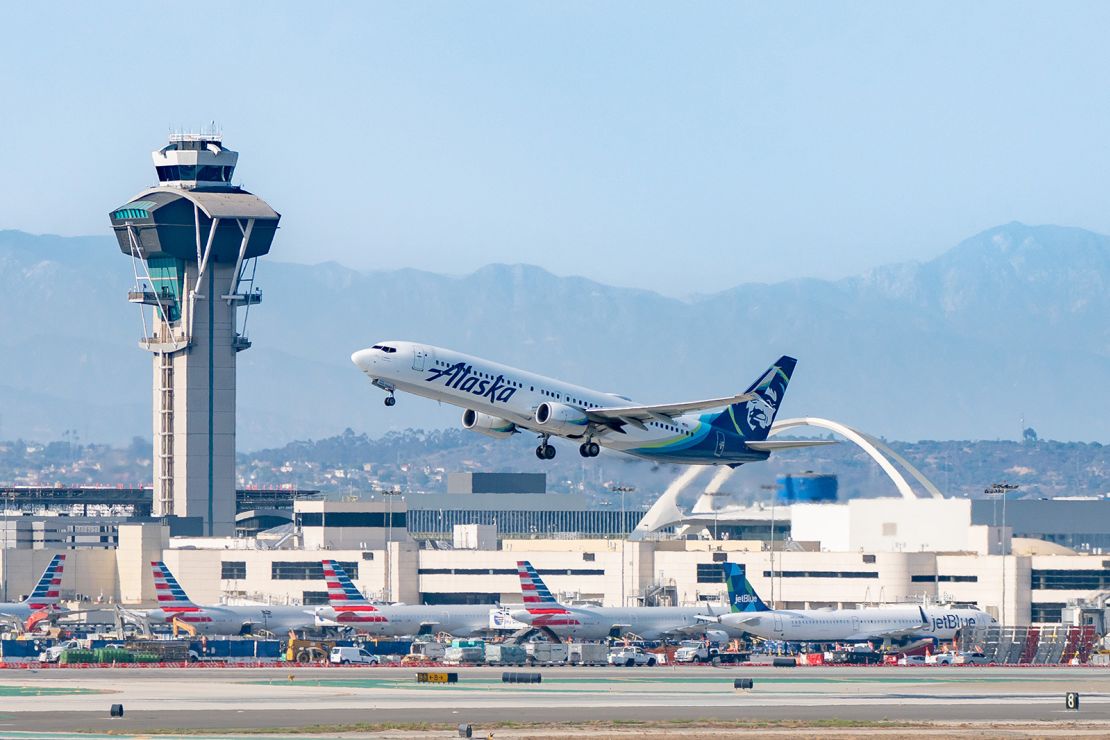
x: 752, y: 419
x: 741, y: 596
x: 342, y: 591
x: 46, y: 591
x: 532, y: 587
x: 167, y: 589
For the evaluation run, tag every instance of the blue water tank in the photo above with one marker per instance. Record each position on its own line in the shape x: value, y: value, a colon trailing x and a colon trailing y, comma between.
x: 804, y: 488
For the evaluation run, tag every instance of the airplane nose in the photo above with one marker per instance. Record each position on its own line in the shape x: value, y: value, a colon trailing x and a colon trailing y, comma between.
x: 364, y: 359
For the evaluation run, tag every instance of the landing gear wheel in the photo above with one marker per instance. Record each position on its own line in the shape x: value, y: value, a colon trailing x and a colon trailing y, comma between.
x: 584, y: 450
x: 594, y: 449
x: 548, y: 452
x: 390, y: 401
x: 539, y: 451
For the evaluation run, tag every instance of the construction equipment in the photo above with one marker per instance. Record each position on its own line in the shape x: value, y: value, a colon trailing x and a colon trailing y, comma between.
x: 181, y: 626
x: 301, y: 650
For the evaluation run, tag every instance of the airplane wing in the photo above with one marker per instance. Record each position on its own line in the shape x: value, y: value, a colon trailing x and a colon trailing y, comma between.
x: 637, y: 415
x: 770, y: 445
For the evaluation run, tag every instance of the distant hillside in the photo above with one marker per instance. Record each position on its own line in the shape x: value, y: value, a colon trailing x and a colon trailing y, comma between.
x: 1011, y: 323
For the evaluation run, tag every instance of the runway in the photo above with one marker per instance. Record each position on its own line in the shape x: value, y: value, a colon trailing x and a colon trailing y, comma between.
x: 67, y: 701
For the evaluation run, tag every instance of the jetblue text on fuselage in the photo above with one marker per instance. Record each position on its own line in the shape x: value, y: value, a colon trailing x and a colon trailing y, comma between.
x: 461, y: 377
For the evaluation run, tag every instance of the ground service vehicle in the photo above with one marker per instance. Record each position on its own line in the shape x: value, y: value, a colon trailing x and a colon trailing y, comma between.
x: 465, y: 651
x: 912, y: 660
x: 968, y: 658
x: 347, y: 655
x: 631, y: 656
x: 505, y: 654
x: 696, y: 651
x: 587, y: 653
x: 547, y: 653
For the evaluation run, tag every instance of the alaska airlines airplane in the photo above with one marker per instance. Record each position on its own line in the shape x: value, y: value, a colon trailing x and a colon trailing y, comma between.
x: 500, y: 401
x: 44, y: 597
x: 543, y: 611
x: 347, y: 607
x: 899, y: 623
x: 222, y: 619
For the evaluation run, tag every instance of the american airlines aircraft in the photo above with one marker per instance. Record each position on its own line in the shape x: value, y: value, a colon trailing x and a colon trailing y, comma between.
x: 906, y: 623
x: 500, y: 401
x: 222, y: 619
x: 542, y: 610
x: 347, y: 607
x: 44, y: 597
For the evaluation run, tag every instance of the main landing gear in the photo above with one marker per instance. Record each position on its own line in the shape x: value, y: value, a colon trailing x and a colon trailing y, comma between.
x: 545, y: 451
x: 589, y: 449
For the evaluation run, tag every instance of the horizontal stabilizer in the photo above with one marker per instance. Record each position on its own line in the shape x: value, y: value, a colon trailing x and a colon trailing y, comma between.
x: 771, y: 445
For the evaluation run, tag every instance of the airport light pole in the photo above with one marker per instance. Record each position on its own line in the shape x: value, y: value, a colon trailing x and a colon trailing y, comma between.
x: 395, y: 491
x: 997, y: 491
x: 771, y: 488
x: 624, y: 532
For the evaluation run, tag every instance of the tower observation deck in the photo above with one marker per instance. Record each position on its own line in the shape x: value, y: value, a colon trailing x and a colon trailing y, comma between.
x: 194, y: 241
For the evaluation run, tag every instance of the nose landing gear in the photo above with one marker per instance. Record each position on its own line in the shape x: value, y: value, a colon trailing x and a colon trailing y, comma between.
x: 390, y: 400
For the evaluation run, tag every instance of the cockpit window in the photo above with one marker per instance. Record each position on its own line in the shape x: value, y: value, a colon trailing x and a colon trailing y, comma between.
x: 388, y: 349
x: 376, y: 346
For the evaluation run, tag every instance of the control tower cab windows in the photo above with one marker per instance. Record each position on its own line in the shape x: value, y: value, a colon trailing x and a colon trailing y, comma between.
x: 200, y: 173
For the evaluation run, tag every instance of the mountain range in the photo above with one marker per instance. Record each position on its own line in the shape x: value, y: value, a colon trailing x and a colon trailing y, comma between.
x: 1009, y: 328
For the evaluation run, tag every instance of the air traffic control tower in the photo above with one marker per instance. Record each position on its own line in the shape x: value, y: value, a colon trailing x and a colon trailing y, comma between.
x: 194, y: 241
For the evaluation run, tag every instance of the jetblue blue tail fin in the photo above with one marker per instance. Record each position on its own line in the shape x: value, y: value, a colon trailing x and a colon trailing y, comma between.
x: 752, y: 419
x: 741, y: 596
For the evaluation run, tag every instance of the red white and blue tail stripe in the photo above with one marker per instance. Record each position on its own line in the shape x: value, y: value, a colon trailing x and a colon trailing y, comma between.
x: 170, y: 595
x: 532, y: 587
x: 47, y: 590
x: 350, y: 606
x: 539, y: 602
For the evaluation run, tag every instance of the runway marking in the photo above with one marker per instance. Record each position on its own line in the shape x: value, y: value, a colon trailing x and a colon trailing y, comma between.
x: 46, y: 690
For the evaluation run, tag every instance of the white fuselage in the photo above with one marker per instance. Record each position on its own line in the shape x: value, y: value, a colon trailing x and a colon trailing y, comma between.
x: 409, y: 620
x: 513, y: 395
x: 234, y: 620
x: 598, y: 623
x: 847, y: 625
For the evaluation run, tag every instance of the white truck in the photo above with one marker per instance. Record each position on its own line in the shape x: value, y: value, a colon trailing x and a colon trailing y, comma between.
x: 353, y: 656
x: 631, y: 656
x: 698, y: 651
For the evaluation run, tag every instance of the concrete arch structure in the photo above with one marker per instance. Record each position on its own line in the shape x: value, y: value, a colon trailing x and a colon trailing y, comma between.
x: 876, y: 450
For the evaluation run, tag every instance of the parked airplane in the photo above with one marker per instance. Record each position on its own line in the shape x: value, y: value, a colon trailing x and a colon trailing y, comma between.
x: 44, y: 597
x: 221, y: 619
x: 347, y: 607
x: 897, y: 623
x: 543, y: 611
x: 500, y: 401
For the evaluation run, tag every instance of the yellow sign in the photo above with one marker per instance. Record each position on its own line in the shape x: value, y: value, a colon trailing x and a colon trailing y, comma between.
x: 437, y: 677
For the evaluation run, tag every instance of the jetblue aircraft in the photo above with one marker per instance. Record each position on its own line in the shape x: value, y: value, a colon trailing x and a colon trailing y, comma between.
x: 347, y: 607
x: 542, y: 610
x: 899, y: 623
x: 223, y: 619
x: 500, y: 401
x: 44, y: 597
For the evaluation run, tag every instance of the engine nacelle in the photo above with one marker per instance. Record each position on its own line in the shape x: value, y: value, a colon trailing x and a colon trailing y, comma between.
x: 561, y: 419
x: 491, y: 426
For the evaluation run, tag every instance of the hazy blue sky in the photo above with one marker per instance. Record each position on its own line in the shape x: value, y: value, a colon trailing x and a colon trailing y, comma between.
x: 683, y: 147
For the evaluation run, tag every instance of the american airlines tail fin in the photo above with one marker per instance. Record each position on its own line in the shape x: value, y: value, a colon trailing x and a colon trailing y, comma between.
x: 532, y: 587
x: 741, y: 596
x: 168, y: 591
x: 342, y: 591
x: 752, y: 419
x: 45, y: 593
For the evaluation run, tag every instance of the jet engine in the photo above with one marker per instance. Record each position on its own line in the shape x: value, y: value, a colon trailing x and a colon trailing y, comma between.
x: 561, y: 419
x: 491, y: 426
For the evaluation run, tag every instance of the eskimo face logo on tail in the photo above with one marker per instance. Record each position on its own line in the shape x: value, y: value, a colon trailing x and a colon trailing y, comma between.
x: 462, y: 377
x: 761, y: 409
